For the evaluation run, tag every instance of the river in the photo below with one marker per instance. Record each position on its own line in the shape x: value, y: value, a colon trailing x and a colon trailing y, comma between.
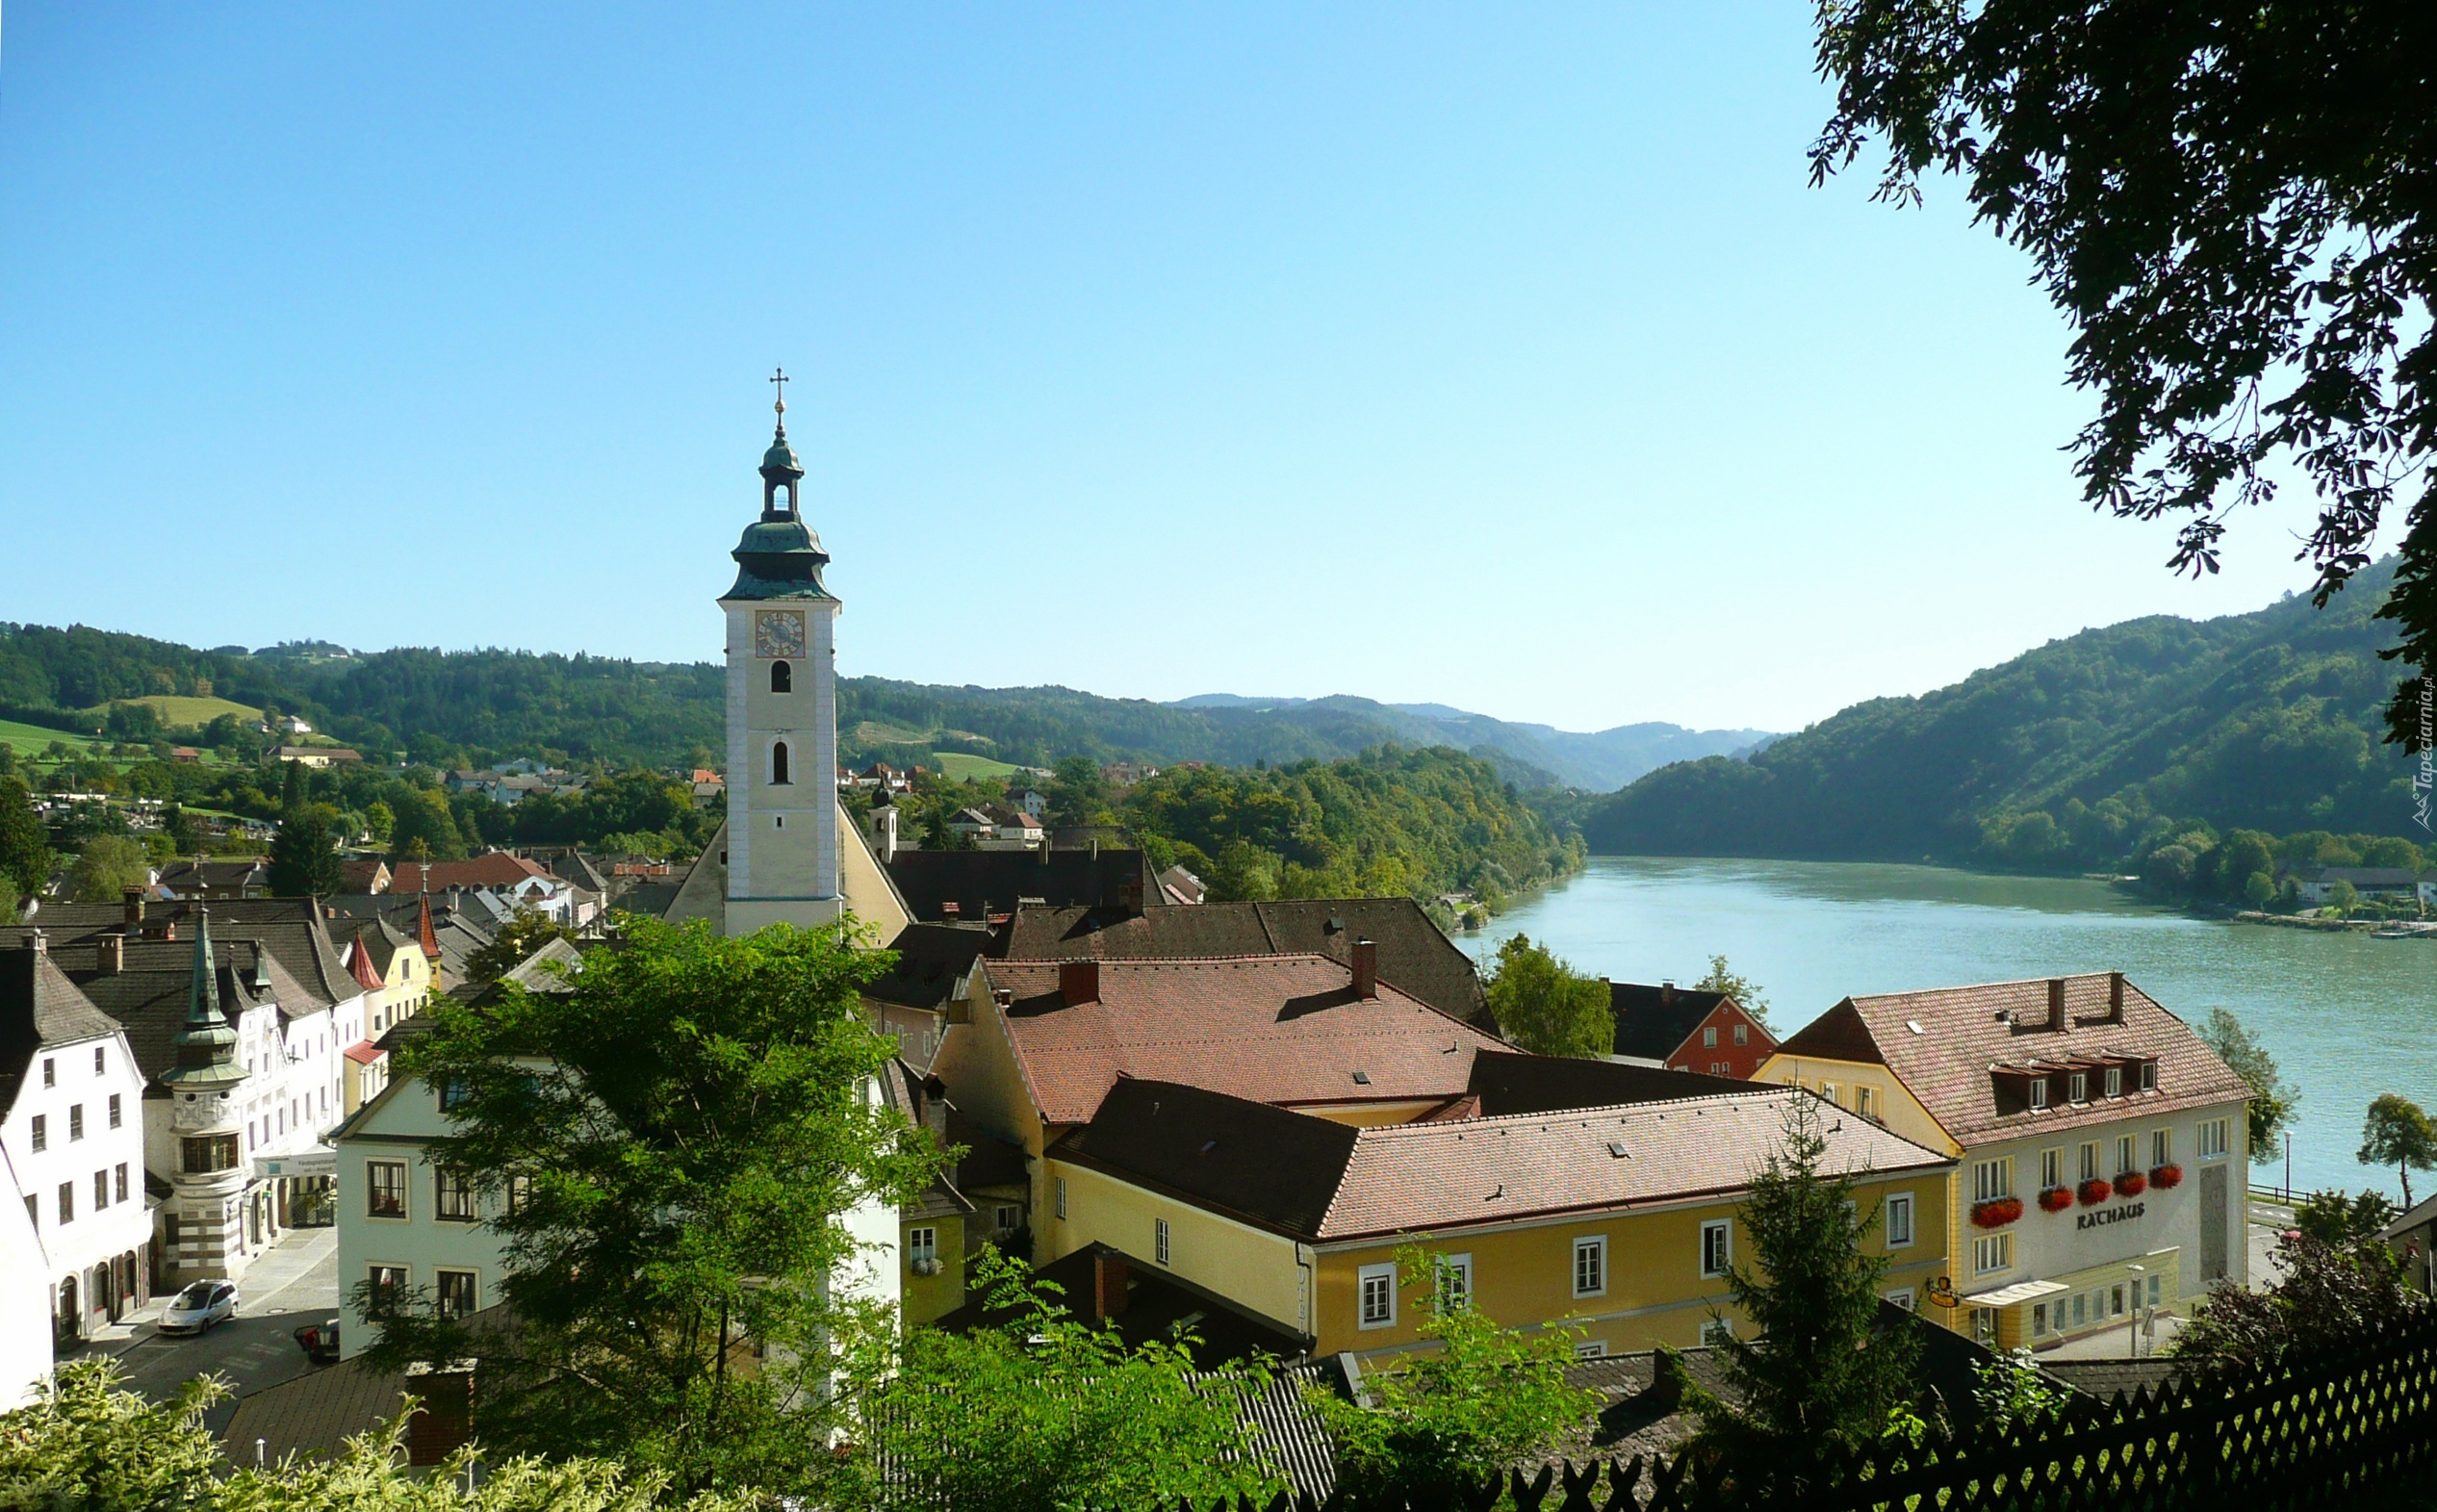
x: 2346, y: 1016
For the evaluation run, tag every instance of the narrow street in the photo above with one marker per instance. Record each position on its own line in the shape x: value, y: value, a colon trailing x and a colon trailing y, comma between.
x: 296, y: 1283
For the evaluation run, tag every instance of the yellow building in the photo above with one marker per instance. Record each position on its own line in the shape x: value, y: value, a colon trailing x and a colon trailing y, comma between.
x: 2099, y: 1146
x: 1620, y: 1220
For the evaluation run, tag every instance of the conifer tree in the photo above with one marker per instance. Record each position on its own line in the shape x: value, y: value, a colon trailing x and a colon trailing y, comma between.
x: 303, y: 862
x: 25, y: 847
x: 1820, y: 1375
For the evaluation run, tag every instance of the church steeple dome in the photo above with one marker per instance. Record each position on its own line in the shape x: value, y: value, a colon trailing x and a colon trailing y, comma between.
x: 779, y: 556
x: 206, y: 1046
x: 780, y: 468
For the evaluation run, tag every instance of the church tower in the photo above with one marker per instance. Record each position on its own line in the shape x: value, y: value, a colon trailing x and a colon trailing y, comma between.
x: 782, y: 836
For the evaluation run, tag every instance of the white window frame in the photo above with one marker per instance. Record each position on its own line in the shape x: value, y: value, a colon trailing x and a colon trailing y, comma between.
x: 1991, y: 1254
x: 1160, y: 1240
x: 2114, y: 1081
x: 1062, y: 1197
x: 2213, y: 1139
x: 1710, y: 1037
x: 922, y: 1244
x: 2051, y: 1168
x: 1833, y: 1092
x: 1590, y: 1349
x: 2039, y: 1093
x: 2077, y: 1088
x: 2089, y: 1159
x: 1994, y: 1179
x: 1899, y: 1203
x: 1743, y: 1034
x: 1458, y: 1271
x: 1375, y: 1284
x: 1865, y: 1100
x: 405, y: 1191
x: 1717, y: 1247
x: 2126, y: 1147
x: 1594, y: 1246
x: 2161, y: 1147
x: 440, y: 1279
x: 1901, y: 1296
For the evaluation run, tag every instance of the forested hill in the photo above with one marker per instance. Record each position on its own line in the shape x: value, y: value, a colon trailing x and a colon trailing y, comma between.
x: 479, y: 706
x: 2068, y: 754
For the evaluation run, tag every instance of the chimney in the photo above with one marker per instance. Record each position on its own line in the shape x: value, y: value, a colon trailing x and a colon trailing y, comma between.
x: 1129, y: 892
x: 2056, y: 1003
x: 35, y: 943
x: 1666, y: 992
x: 110, y: 954
x: 1079, y: 981
x: 1366, y: 969
x: 935, y: 1107
x: 1108, y: 1285
x: 2115, y: 997
x: 131, y: 904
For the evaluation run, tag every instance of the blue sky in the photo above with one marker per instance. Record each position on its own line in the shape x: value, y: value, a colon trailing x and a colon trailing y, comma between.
x: 1501, y: 358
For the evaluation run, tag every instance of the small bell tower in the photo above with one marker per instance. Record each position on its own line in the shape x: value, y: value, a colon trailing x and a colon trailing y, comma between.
x: 782, y: 836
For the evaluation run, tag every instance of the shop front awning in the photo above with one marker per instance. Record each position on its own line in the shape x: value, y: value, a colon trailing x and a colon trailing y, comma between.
x: 312, y: 1163
x: 2009, y: 1296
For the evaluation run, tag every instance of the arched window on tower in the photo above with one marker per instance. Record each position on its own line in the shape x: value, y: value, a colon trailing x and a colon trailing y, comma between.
x: 781, y: 677
x: 779, y: 763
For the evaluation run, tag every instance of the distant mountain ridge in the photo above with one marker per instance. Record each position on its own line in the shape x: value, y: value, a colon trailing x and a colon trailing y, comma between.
x: 2068, y: 753
x: 1598, y: 761
x: 484, y: 706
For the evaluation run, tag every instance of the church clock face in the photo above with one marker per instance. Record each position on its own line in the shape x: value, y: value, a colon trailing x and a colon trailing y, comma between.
x: 777, y: 632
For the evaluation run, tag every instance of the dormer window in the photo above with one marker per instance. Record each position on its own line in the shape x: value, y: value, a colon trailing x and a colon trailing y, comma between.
x: 2038, y: 1092
x: 2149, y: 1078
x: 2078, y: 1087
x: 2114, y: 1081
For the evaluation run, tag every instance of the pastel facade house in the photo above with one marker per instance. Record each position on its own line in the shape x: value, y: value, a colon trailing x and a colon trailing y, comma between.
x: 1037, y: 1045
x: 1686, y: 1029
x: 72, y: 1126
x: 2101, y: 1148
x: 1619, y: 1221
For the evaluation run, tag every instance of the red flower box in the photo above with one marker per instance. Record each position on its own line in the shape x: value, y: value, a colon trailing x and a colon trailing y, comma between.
x: 2167, y: 1177
x: 2131, y: 1184
x: 2056, y: 1199
x: 1997, y: 1212
x: 2094, y: 1191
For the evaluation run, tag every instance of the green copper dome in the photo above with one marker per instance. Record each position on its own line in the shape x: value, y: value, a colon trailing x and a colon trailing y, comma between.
x: 778, y: 558
x: 780, y: 458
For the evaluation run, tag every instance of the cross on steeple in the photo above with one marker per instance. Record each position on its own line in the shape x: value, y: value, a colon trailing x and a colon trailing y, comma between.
x: 780, y: 377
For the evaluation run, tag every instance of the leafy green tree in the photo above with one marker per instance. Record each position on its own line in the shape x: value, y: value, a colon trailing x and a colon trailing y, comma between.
x: 304, y: 858
x: 682, y: 1131
x: 1547, y: 1006
x: 420, y: 814
x: 1044, y: 1413
x: 1819, y: 1377
x: 2011, y: 1389
x: 93, y: 1446
x: 25, y: 848
x: 106, y: 868
x: 1078, y: 793
x: 2342, y: 1223
x: 2238, y: 241
x: 2274, y: 1101
x: 2397, y: 1133
x: 1485, y: 1399
x: 525, y: 931
x: 1243, y: 873
x: 2344, y: 898
x: 2259, y: 889
x: 1743, y: 990
x: 2332, y: 1299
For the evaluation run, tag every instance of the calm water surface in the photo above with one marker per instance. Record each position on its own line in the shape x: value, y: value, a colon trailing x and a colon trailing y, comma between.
x: 2346, y: 1016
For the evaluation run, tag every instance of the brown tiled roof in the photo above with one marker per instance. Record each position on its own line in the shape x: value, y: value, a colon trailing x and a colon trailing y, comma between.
x: 1514, y: 1084
x: 1274, y: 1029
x: 313, y: 1416
x: 1967, y: 1032
x: 1414, y: 955
x: 492, y: 869
x: 1319, y: 1180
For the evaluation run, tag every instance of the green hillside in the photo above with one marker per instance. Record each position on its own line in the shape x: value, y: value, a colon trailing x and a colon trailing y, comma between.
x: 2080, y: 752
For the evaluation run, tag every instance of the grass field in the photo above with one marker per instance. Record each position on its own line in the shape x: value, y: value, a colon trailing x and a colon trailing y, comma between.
x: 959, y: 767
x: 30, y: 739
x: 174, y: 710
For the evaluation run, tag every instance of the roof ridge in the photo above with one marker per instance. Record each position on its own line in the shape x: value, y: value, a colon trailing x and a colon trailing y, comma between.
x: 2008, y: 981
x: 1175, y: 961
x: 1761, y: 1090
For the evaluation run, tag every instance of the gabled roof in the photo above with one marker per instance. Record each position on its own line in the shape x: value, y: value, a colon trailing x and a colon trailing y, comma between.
x: 1273, y: 1029
x: 1414, y: 955
x: 39, y: 1005
x: 1964, y: 1033
x: 931, y: 959
x: 359, y: 961
x: 492, y: 869
x: 1653, y: 1021
x: 995, y: 882
x: 1524, y: 1084
x: 291, y: 929
x: 1319, y: 1181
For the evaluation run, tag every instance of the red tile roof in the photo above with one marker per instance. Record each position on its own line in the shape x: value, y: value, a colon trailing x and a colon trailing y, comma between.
x: 359, y: 963
x: 1271, y: 1029
x: 495, y: 869
x: 1965, y: 1033
x: 364, y: 1052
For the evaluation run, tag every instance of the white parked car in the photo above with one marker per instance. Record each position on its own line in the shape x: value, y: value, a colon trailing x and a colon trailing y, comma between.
x: 199, y: 1306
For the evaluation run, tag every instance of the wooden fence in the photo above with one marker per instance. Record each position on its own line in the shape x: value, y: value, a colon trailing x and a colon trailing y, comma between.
x: 2259, y: 1440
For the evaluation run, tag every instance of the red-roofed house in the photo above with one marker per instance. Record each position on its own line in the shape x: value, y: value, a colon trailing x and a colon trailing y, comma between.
x: 1035, y: 1045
